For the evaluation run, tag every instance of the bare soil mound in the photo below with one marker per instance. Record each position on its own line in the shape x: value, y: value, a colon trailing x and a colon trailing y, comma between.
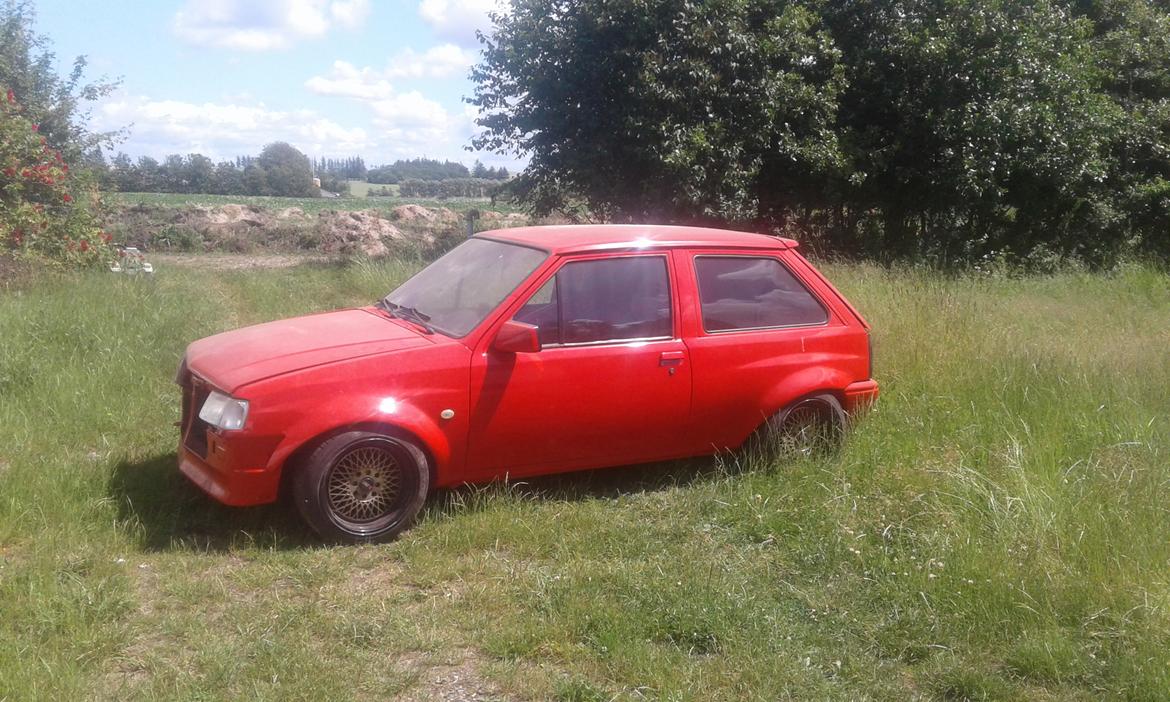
x: 253, y: 228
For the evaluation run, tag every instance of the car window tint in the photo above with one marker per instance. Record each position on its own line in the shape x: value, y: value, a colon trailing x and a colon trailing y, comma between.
x: 742, y: 292
x: 613, y: 299
x: 541, y: 311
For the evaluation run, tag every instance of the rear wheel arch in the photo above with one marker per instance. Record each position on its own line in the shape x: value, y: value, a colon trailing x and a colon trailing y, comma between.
x: 827, y: 404
x: 830, y: 401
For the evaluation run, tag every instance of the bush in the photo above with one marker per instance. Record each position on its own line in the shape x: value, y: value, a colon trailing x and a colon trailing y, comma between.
x: 43, y: 213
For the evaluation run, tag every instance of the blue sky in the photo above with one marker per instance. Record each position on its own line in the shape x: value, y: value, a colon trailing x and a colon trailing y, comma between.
x: 383, y: 79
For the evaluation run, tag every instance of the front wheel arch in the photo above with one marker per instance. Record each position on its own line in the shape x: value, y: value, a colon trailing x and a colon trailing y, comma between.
x: 296, y: 459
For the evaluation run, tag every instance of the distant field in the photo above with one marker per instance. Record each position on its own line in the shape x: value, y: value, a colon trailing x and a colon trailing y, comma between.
x: 312, y: 204
x: 360, y: 188
x: 997, y: 529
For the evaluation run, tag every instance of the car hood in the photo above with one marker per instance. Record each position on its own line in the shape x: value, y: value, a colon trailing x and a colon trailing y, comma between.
x: 236, y: 358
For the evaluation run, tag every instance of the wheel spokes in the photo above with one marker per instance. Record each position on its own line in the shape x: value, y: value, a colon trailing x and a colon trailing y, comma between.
x: 364, y: 484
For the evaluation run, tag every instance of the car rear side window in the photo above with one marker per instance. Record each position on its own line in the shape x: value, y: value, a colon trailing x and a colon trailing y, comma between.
x: 610, y: 299
x: 749, y: 292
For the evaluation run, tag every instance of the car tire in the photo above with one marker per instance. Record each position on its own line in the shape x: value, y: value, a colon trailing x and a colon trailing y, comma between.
x: 362, y: 487
x: 812, y: 426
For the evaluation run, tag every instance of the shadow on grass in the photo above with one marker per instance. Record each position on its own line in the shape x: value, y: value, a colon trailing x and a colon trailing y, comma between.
x: 168, y: 512
x: 600, y: 483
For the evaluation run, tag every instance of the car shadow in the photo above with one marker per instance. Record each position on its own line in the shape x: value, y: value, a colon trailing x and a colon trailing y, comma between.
x: 167, y: 512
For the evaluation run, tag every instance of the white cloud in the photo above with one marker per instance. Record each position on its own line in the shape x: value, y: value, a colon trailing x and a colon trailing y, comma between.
x: 220, y: 130
x: 350, y: 14
x: 345, y: 80
x: 443, y: 61
x: 457, y: 20
x: 263, y: 25
x: 407, y: 118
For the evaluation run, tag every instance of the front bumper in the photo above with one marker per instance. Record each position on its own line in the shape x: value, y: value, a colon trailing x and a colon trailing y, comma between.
x: 231, y: 466
x: 235, y: 486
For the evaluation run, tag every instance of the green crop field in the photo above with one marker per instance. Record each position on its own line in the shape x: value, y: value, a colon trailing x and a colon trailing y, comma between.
x: 997, y: 529
x: 308, y: 204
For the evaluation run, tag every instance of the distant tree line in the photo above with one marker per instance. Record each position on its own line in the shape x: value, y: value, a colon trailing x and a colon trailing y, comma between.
x: 431, y: 170
x: 282, y: 170
x: 352, y: 168
x: 279, y: 170
x: 952, y: 131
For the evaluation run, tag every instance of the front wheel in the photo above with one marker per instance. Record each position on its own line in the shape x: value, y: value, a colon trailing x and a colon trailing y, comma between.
x: 362, y: 487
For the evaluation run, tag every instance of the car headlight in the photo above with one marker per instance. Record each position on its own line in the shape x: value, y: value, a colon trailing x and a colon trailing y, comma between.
x: 224, y: 412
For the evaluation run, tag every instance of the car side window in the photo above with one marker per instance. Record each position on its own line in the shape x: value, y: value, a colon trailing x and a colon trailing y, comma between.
x: 600, y: 300
x: 749, y: 292
x: 541, y: 312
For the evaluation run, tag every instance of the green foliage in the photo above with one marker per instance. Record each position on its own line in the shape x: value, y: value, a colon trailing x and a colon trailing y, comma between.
x: 450, y: 187
x: 352, y: 168
x: 45, y: 209
x: 287, y: 172
x: 418, y: 169
x: 28, y: 69
x: 954, y: 131
x: 660, y: 110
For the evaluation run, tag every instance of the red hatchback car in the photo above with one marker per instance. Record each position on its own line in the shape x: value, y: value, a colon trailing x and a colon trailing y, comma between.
x: 523, y: 352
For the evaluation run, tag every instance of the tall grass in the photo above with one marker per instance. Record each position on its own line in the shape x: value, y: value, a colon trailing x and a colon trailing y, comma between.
x: 995, y: 529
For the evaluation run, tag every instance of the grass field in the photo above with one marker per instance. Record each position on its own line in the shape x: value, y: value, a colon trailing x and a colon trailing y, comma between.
x: 360, y: 188
x: 997, y: 529
x: 309, y: 204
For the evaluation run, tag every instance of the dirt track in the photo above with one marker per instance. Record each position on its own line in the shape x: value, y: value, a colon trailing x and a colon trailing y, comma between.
x: 233, y: 262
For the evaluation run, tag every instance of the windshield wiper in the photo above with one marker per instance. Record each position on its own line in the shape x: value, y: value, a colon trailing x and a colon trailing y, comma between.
x: 410, y: 314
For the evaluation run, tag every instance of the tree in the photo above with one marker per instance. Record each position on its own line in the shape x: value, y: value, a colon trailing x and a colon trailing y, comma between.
x: 199, y: 173
x: 286, y: 170
x: 45, y: 209
x: 54, y: 104
x: 256, y: 180
x: 47, y: 195
x: 418, y: 168
x: 229, y: 180
x: 950, y: 130
x: 150, y: 175
x: 661, y: 110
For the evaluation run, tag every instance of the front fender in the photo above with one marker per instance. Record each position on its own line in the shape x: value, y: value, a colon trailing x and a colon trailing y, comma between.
x: 352, y: 412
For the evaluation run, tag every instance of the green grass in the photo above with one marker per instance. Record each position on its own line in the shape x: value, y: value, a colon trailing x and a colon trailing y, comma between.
x: 360, y: 188
x: 355, y: 201
x: 996, y: 529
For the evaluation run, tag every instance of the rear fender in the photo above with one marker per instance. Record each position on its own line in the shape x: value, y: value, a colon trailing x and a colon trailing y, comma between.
x: 810, y: 381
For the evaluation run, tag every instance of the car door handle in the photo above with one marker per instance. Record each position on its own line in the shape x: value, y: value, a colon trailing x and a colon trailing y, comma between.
x: 671, y: 358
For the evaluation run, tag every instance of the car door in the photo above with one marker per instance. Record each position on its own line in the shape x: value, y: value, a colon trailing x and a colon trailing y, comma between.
x: 610, y: 385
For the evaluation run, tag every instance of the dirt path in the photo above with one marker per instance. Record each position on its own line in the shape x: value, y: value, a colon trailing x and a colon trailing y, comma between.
x: 233, y: 262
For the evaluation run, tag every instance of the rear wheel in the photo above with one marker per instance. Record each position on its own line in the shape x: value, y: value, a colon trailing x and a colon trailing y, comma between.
x: 362, y: 486
x: 814, y: 425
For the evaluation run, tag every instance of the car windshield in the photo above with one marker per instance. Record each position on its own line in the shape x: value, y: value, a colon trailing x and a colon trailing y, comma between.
x: 456, y: 292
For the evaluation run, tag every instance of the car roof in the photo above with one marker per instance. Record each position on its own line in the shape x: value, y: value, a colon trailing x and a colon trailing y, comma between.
x: 579, y: 238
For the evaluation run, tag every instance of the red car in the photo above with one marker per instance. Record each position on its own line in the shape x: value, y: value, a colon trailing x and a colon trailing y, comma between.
x: 523, y: 352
